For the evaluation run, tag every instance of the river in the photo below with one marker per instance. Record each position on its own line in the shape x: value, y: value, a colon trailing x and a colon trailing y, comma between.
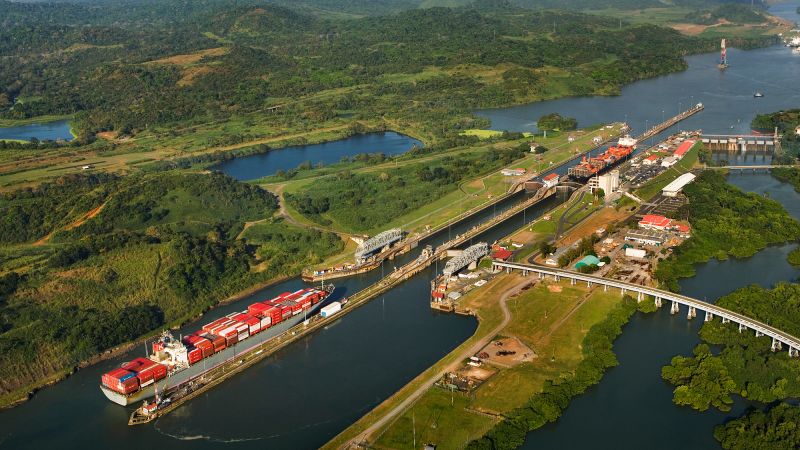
x: 263, y: 164
x: 47, y: 131
x: 305, y: 394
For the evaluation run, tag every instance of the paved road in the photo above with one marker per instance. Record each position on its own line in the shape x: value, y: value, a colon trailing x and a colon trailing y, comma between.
x: 467, y: 352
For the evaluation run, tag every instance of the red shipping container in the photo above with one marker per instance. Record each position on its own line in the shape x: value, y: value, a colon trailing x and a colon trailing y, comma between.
x: 139, y: 365
x: 145, y: 378
x: 215, y: 323
x: 217, y: 341
x: 232, y: 340
x: 195, y: 355
x: 159, y: 372
x: 129, y: 385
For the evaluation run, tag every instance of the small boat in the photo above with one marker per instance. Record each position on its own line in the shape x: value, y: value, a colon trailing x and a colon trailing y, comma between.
x: 758, y: 95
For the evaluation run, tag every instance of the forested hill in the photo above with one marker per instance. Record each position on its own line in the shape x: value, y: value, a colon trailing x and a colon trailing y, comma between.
x: 224, y: 60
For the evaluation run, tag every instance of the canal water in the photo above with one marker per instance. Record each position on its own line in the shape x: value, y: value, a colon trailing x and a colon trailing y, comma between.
x: 49, y: 131
x: 263, y: 164
x: 307, y: 393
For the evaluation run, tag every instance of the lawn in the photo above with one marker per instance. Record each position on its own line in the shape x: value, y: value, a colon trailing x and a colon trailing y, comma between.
x: 438, y: 417
x: 550, y: 324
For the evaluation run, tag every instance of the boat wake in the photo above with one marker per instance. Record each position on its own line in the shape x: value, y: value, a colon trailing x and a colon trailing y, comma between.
x: 202, y: 437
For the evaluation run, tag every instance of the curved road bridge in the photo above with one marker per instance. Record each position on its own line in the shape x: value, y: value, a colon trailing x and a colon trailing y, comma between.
x: 779, y: 338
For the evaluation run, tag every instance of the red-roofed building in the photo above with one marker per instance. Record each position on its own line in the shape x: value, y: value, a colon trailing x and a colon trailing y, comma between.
x: 683, y: 230
x: 501, y: 254
x: 550, y: 180
x: 683, y: 148
x: 654, y: 222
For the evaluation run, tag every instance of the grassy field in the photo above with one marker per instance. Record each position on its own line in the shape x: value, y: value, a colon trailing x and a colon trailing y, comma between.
x: 540, y: 318
x: 471, y: 193
x: 658, y: 183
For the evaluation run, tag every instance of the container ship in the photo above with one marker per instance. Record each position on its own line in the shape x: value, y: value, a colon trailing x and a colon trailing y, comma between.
x: 174, y: 362
x: 589, y: 167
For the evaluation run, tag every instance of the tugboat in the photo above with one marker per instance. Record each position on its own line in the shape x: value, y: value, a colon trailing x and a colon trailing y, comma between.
x: 758, y: 94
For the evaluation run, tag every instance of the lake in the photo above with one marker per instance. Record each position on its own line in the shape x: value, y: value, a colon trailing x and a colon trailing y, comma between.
x: 48, y: 131
x: 263, y: 164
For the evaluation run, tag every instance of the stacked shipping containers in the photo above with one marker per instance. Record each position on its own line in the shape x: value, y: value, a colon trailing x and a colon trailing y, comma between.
x: 215, y: 337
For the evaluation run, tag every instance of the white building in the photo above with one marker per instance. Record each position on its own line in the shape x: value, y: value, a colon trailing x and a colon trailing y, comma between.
x: 669, y: 161
x: 550, y: 180
x: 513, y: 172
x: 650, y: 160
x: 631, y: 252
x: 608, y: 182
x: 672, y: 189
x: 647, y: 237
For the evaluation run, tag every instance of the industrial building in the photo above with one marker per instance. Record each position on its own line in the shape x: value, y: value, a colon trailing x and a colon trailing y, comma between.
x: 647, y: 237
x: 631, y: 252
x: 683, y: 148
x: 675, y: 187
x: 654, y: 222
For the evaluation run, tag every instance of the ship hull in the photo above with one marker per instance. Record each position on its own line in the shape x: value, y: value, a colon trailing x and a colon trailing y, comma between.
x: 177, y: 379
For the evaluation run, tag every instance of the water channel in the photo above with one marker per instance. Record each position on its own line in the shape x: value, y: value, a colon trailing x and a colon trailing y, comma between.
x: 48, y: 131
x: 305, y: 394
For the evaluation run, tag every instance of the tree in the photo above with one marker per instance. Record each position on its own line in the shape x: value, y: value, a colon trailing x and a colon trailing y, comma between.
x: 554, y: 121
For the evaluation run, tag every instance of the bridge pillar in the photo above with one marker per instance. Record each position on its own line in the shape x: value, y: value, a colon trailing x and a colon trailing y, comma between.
x: 622, y: 290
x: 494, y: 267
x: 725, y: 320
x: 657, y: 301
x: 638, y: 297
x: 692, y: 313
x: 508, y: 270
x: 709, y: 316
x: 524, y: 273
x: 605, y: 288
x: 557, y: 278
x: 776, y: 345
x: 588, y: 284
x: 572, y: 281
x: 793, y: 352
x: 541, y: 275
x: 742, y: 327
x: 675, y: 308
x: 759, y: 334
